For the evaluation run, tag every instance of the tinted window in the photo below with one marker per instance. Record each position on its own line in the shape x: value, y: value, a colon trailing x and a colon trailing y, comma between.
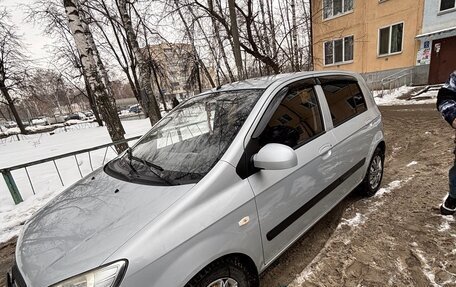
x: 297, y: 119
x: 344, y: 97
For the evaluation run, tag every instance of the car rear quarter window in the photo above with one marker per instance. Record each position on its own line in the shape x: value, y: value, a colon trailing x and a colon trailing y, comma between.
x: 344, y: 96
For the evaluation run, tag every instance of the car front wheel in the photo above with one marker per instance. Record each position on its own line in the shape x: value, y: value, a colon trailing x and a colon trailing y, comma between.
x: 225, y: 272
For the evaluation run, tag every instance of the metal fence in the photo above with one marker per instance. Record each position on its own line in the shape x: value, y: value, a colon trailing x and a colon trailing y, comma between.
x: 11, y: 184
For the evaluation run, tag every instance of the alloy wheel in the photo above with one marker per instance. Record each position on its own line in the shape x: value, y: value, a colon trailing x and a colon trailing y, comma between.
x: 224, y: 282
x: 375, y: 172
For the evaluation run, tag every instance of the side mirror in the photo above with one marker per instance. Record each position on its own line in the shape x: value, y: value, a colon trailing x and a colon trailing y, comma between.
x: 275, y: 157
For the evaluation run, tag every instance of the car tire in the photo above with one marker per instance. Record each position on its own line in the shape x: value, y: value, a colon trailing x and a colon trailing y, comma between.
x: 229, y: 271
x: 374, y: 175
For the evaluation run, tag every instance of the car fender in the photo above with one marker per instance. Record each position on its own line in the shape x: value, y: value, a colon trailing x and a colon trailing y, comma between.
x: 378, y: 137
x: 217, y: 217
x: 177, y: 267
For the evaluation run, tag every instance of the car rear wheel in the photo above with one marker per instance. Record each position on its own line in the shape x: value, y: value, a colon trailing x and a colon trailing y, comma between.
x: 374, y: 174
x: 226, y: 272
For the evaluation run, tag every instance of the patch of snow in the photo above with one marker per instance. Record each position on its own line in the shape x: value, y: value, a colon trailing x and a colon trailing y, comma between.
x: 391, y: 186
x: 412, y: 163
x: 358, y: 219
x: 444, y: 226
x: 13, y: 218
x: 391, y: 97
x: 45, y: 179
x: 396, y: 148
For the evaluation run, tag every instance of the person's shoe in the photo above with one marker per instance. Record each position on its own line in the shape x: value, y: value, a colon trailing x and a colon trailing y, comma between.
x: 449, y: 206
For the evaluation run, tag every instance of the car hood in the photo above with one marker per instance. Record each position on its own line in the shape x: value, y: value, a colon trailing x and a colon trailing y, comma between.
x: 85, y: 224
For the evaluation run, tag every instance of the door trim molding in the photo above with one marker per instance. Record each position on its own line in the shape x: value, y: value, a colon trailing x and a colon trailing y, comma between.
x: 308, y: 205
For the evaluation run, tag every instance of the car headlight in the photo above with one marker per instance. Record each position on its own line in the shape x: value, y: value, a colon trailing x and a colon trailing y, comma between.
x: 105, y: 276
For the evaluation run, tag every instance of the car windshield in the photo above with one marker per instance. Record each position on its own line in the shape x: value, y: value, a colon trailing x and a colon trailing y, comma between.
x: 188, y: 142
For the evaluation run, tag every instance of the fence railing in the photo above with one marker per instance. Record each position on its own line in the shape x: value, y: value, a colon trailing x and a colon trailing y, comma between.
x: 11, y: 184
x: 401, y: 78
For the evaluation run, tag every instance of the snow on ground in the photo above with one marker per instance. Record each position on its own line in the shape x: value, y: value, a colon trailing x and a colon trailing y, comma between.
x: 358, y: 219
x: 412, y: 163
x: 390, y: 97
x: 391, y: 186
x: 45, y: 179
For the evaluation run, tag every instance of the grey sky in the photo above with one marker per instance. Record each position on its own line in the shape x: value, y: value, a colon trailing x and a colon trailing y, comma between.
x: 32, y: 35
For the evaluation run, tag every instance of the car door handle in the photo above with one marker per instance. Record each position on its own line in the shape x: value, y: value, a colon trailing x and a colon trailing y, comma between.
x: 325, y: 150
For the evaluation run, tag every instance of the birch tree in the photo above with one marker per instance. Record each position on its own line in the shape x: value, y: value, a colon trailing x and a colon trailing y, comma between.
x: 146, y: 93
x: 105, y: 102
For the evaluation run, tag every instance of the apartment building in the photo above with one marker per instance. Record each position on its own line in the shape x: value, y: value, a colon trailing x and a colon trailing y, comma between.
x: 437, y: 40
x: 374, y: 37
x: 174, y: 67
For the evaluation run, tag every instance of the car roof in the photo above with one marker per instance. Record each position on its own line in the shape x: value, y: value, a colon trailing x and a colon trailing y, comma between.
x: 264, y: 82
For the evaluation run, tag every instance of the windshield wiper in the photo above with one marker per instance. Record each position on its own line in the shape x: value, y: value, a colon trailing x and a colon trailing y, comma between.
x: 130, y: 157
x: 146, y: 163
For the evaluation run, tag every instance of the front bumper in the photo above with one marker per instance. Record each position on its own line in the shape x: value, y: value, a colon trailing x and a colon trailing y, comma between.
x: 15, y: 279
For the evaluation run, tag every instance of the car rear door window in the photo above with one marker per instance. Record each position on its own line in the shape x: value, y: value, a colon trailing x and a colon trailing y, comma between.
x: 297, y: 119
x: 344, y: 97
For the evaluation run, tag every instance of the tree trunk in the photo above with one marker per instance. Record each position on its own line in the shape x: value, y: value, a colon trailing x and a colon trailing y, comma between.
x: 235, y: 35
x: 92, y: 102
x: 272, y: 29
x: 106, y: 104
x: 146, y: 92
x: 295, y: 35
x: 12, y: 108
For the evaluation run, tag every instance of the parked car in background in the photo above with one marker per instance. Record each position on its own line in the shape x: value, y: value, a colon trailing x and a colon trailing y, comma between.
x: 135, y: 109
x: 76, y: 116
x: 88, y: 114
x: 40, y: 121
x: 184, y: 205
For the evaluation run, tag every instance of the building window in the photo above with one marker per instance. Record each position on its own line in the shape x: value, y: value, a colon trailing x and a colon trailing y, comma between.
x: 339, y: 51
x: 332, y: 8
x: 447, y: 4
x: 390, y: 39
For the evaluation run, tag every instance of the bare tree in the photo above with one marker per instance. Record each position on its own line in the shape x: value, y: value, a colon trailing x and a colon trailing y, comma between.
x: 88, y: 61
x: 146, y: 93
x: 12, y: 66
x: 66, y: 60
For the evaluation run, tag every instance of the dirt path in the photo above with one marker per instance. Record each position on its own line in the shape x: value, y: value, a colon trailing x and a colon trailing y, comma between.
x: 396, y: 238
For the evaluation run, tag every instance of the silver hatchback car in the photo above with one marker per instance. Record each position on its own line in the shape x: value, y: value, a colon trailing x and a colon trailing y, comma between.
x: 215, y: 191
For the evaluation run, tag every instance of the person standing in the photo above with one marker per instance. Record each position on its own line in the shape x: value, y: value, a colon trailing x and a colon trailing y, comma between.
x: 446, y: 105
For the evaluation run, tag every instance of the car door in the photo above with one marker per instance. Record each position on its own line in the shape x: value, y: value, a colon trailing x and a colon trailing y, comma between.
x: 289, y: 201
x: 352, y: 126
